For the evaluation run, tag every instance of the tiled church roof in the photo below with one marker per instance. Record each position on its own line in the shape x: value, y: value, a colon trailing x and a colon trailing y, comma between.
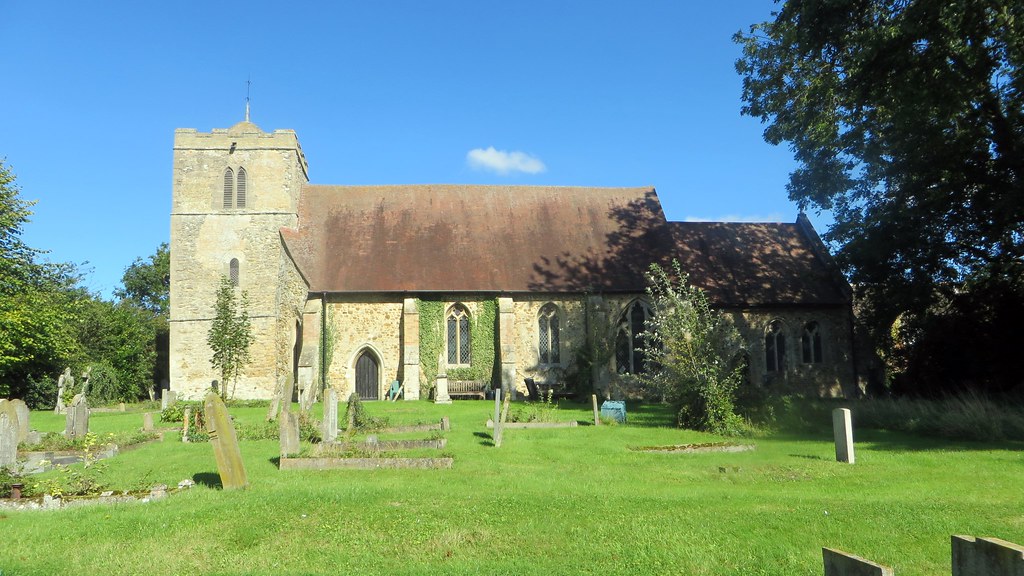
x: 452, y: 238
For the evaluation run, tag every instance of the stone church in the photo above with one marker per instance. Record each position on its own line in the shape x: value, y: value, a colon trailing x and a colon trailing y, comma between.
x: 356, y: 287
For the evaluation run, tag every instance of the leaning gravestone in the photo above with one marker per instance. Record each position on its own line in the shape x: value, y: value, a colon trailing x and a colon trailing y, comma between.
x: 288, y: 423
x: 839, y: 563
x: 225, y: 443
x: 330, y: 415
x: 8, y: 435
x: 76, y: 421
x: 22, y: 410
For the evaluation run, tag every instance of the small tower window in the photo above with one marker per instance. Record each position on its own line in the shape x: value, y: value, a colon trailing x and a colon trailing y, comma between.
x: 233, y: 272
x: 240, y: 188
x: 229, y: 188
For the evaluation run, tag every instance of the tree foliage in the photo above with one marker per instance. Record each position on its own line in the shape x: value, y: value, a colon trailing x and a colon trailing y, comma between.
x: 147, y: 283
x: 693, y: 353
x: 230, y: 334
x: 907, y: 120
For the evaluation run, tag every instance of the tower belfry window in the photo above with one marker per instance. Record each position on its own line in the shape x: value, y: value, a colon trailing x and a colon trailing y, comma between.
x: 229, y: 187
x: 240, y: 188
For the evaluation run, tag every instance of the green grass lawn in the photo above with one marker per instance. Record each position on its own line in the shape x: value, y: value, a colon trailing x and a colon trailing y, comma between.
x: 556, y: 501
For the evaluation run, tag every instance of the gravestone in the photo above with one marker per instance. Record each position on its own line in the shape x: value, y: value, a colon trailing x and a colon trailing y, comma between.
x: 225, y: 443
x: 986, y: 557
x: 842, y: 429
x: 275, y: 400
x: 839, y: 563
x: 168, y: 398
x: 597, y: 414
x: 441, y: 390
x: 147, y: 422
x: 64, y: 382
x: 186, y: 423
x: 288, y: 426
x: 497, y: 418
x: 330, y: 424
x: 8, y: 435
x: 446, y: 424
x: 76, y: 421
x: 23, y: 413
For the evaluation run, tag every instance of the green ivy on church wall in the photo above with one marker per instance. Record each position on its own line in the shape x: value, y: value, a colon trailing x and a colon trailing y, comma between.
x: 483, y: 317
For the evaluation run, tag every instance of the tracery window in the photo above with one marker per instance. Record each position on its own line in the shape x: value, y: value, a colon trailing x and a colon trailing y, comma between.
x: 547, y: 325
x: 810, y: 342
x: 775, y: 347
x: 629, y: 354
x: 458, y: 336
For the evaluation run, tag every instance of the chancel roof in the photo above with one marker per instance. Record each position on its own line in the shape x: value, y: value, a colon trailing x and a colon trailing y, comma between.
x: 500, y: 239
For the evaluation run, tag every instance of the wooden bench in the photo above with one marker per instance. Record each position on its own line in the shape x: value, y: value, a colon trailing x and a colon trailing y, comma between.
x: 466, y: 388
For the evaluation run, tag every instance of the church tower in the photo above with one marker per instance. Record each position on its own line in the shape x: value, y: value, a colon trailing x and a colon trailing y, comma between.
x: 234, y: 189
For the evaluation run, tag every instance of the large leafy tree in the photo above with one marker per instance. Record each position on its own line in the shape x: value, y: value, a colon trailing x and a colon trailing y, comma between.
x: 907, y: 120
x: 147, y: 282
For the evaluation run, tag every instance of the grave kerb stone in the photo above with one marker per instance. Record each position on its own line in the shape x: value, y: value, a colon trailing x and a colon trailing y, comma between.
x: 838, y: 563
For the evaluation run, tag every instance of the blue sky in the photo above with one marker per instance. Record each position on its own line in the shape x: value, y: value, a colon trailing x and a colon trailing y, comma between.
x: 583, y: 93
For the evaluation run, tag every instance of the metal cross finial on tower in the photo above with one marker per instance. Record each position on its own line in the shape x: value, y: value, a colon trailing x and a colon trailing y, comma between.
x: 248, y: 84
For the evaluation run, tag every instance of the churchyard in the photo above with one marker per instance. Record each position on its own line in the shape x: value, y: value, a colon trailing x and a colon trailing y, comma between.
x: 573, y: 500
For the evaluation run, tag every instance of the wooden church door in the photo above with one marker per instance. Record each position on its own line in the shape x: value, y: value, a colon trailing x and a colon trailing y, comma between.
x: 367, y: 382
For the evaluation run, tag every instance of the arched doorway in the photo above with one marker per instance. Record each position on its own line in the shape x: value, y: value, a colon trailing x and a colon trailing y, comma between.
x: 367, y: 376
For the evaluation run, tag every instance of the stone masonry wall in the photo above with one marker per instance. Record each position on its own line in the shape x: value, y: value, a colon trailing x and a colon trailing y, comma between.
x: 571, y: 332
x: 361, y: 322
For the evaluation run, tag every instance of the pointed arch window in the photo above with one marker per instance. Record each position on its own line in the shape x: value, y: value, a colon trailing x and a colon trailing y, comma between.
x: 810, y: 343
x: 629, y: 345
x: 458, y: 337
x: 548, y: 327
x: 229, y: 188
x: 233, y: 274
x: 240, y: 188
x: 775, y: 347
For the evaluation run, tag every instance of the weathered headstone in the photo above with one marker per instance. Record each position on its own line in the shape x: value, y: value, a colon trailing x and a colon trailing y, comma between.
x: 85, y: 380
x: 986, y: 557
x: 497, y: 418
x: 597, y: 413
x: 76, y: 421
x: 23, y: 413
x: 441, y: 390
x: 186, y: 423
x: 842, y: 429
x: 275, y: 400
x: 446, y: 424
x: 147, y: 422
x: 168, y: 398
x: 330, y: 425
x: 64, y: 382
x: 225, y: 443
x: 8, y: 435
x: 121, y: 407
x: 288, y: 426
x: 839, y: 563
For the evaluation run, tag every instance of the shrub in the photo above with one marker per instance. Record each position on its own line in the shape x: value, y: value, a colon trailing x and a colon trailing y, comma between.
x: 360, y: 419
x: 692, y: 354
x: 106, y: 387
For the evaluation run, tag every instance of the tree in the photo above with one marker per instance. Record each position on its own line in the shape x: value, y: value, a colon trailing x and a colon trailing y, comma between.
x: 230, y: 334
x: 907, y: 120
x: 693, y: 353
x: 38, y: 301
x: 147, y: 283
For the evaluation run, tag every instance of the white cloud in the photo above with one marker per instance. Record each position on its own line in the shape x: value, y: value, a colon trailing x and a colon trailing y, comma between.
x: 503, y: 162
x: 774, y: 217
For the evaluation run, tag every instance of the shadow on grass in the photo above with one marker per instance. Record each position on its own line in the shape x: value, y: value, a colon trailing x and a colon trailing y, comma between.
x: 276, y: 461
x: 894, y: 441
x: 208, y: 479
x: 488, y: 439
x: 649, y: 415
